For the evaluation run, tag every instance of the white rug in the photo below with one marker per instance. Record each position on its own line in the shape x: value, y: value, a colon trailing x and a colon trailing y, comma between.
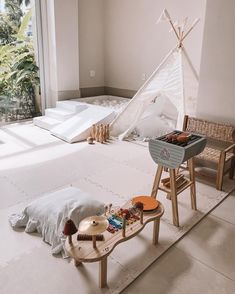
x: 113, y: 173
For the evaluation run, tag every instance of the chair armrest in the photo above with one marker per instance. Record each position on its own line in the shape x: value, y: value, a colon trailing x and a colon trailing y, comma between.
x: 229, y: 148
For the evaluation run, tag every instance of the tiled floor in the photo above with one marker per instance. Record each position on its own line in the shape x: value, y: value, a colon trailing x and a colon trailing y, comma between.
x: 202, y: 262
x: 32, y: 163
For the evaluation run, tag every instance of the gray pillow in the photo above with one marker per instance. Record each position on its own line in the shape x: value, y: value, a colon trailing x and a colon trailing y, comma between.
x: 48, y: 214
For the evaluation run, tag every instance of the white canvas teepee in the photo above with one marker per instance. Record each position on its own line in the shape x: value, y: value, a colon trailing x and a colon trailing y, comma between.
x: 175, y: 78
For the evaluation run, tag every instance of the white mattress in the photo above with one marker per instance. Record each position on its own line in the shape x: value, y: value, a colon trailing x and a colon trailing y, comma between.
x: 114, y: 103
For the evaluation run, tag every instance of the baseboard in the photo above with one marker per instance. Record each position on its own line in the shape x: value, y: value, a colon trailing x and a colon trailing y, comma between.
x: 119, y: 92
x: 97, y: 91
x: 70, y: 94
x: 93, y: 91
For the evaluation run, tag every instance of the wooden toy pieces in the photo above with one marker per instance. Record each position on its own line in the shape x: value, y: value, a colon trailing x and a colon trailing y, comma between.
x: 102, y: 134
x: 124, y: 225
x: 85, y: 237
x: 69, y: 229
x: 141, y: 215
x: 109, y: 207
x: 93, y: 225
x: 107, y: 135
x: 90, y: 140
x: 93, y: 132
x: 140, y: 206
x: 146, y: 203
x: 119, y: 219
x: 99, y: 133
x: 111, y: 229
x: 180, y: 182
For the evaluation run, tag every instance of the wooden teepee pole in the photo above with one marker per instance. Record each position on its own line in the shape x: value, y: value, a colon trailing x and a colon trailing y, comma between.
x: 192, y: 27
x: 173, y: 27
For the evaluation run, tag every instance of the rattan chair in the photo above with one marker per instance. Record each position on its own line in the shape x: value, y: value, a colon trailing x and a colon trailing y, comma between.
x: 220, y: 150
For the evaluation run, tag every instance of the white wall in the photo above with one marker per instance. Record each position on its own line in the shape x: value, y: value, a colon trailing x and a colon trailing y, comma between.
x: 91, y: 42
x: 135, y: 45
x: 66, y: 24
x: 48, y: 47
x: 217, y: 81
x: 60, y: 49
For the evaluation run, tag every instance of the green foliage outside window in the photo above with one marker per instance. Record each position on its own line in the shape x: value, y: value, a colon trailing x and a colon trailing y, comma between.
x: 19, y: 74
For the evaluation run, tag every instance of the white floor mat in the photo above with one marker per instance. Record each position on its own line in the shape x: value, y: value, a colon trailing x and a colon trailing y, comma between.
x: 113, y: 173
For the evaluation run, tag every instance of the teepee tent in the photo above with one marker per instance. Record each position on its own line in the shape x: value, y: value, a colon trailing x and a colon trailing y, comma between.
x: 175, y: 78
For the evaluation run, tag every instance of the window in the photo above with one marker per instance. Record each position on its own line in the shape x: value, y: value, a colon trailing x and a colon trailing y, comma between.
x: 19, y: 71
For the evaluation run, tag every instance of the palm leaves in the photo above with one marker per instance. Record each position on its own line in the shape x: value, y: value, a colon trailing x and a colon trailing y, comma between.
x: 13, y: 20
x: 14, y: 12
x: 24, y: 25
x: 26, y: 2
x: 7, y: 31
x: 19, y: 74
x: 18, y: 70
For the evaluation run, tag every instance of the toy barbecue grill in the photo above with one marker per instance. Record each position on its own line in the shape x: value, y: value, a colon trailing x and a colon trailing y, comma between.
x: 173, y: 149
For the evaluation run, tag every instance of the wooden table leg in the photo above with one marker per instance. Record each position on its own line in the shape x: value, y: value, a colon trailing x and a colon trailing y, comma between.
x: 94, y: 241
x: 103, y: 272
x: 174, y: 201
x: 156, y: 226
x: 156, y: 181
x: 193, y: 186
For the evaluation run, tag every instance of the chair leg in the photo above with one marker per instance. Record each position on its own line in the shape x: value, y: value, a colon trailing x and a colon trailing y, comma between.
x: 193, y: 185
x: 220, y: 172
x: 232, y: 168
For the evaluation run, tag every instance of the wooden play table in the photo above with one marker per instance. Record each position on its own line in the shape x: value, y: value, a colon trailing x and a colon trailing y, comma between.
x: 83, y: 251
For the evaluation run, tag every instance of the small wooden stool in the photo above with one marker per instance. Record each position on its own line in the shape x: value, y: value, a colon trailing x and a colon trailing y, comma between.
x: 173, y: 191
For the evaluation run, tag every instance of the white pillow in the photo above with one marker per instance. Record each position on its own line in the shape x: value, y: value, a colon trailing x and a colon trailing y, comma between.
x: 48, y: 214
x: 152, y: 126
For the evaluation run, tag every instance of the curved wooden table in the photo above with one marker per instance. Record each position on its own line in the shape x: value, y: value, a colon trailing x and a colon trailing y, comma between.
x: 83, y: 251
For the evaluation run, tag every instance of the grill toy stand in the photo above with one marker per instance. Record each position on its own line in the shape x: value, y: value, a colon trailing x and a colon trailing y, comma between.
x: 171, y: 154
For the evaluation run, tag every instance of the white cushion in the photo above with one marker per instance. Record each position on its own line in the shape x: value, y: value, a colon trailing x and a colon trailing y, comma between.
x: 48, y: 214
